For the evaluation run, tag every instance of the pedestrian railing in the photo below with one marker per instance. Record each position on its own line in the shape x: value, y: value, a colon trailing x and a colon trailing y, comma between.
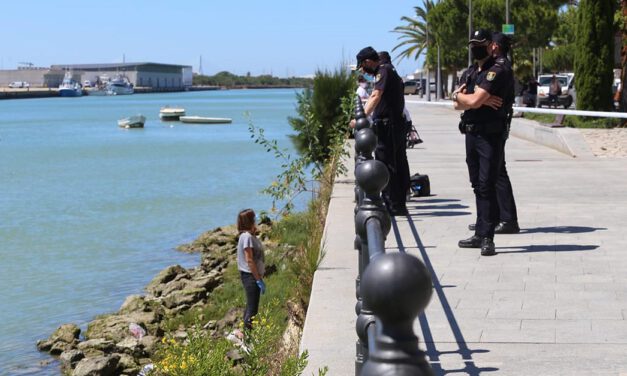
x: 393, y: 288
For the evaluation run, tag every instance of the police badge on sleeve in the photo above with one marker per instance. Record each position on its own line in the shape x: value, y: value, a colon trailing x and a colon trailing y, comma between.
x: 490, y: 76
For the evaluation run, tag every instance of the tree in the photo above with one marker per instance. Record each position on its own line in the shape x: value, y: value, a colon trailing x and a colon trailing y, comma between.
x: 561, y: 55
x: 414, y: 35
x: 594, y: 54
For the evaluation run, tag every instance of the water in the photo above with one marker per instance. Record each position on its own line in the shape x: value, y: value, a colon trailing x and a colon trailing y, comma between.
x: 89, y: 212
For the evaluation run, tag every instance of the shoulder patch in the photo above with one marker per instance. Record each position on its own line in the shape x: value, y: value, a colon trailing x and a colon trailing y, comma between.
x: 378, y: 78
x: 490, y: 76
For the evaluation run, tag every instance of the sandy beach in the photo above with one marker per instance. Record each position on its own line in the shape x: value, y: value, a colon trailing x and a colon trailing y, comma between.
x: 607, y: 143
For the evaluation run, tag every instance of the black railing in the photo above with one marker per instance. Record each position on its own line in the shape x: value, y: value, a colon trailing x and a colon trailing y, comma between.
x: 392, y: 289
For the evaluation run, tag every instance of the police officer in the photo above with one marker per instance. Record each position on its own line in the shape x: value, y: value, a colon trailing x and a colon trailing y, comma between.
x: 484, y: 85
x: 385, y: 105
x: 508, y: 216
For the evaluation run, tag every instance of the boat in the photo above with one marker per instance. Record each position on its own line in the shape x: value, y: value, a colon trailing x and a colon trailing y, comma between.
x: 96, y: 91
x: 171, y: 113
x: 120, y: 85
x: 69, y: 87
x: 204, y: 120
x: 136, y: 121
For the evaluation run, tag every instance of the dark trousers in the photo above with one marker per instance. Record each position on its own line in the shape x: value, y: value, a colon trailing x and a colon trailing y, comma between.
x: 390, y: 150
x: 252, y: 298
x: 484, y: 160
x: 505, y: 195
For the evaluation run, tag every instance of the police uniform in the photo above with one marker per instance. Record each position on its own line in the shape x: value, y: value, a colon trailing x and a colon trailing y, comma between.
x: 484, y: 128
x: 508, y: 216
x: 390, y: 128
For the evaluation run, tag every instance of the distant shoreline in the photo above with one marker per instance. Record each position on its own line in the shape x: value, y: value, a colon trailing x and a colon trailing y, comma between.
x: 31, y: 93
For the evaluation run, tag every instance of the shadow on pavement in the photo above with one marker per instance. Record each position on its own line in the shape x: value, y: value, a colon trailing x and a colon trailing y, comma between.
x: 440, y: 213
x: 561, y: 229
x: 441, y: 207
x: 432, y: 352
x: 548, y: 248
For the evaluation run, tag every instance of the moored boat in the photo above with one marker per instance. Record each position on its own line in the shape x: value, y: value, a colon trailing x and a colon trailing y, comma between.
x: 171, y: 113
x: 69, y: 87
x: 136, y: 121
x: 204, y: 120
x: 120, y: 85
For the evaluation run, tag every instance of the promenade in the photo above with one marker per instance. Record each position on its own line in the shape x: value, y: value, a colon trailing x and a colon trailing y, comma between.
x: 553, y: 301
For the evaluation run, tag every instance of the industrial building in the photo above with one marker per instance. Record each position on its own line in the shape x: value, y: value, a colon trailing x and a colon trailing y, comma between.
x: 151, y: 75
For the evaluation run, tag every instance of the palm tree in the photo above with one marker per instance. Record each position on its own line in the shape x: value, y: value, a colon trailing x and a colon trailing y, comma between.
x: 415, y: 34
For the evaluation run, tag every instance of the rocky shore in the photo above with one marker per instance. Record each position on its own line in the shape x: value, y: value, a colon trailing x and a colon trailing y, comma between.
x: 122, y: 343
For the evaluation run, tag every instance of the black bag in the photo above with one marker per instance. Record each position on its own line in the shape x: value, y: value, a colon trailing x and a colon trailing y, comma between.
x: 413, y: 138
x: 420, y: 185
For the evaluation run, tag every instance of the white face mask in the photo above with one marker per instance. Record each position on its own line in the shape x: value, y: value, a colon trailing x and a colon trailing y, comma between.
x: 363, y: 85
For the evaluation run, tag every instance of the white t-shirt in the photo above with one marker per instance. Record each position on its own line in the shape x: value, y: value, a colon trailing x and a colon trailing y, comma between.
x: 247, y: 240
x: 362, y: 93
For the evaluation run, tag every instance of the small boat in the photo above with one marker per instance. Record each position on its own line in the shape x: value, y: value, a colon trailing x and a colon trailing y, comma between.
x: 69, y: 87
x: 120, y: 85
x: 204, y: 120
x: 136, y: 121
x: 171, y: 113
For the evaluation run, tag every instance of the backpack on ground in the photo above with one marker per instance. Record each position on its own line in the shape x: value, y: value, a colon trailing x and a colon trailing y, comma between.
x: 419, y: 185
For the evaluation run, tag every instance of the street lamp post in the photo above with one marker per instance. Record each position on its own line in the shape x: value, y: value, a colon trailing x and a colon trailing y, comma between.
x: 469, y: 30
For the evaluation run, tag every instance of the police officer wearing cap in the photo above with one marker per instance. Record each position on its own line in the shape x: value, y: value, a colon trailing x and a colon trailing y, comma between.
x: 385, y: 105
x: 484, y: 86
x: 508, y: 216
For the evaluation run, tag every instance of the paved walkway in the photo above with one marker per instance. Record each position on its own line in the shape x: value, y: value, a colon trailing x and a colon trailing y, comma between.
x: 552, y: 302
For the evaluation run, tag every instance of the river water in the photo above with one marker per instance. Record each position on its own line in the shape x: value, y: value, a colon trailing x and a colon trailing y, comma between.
x: 89, y: 212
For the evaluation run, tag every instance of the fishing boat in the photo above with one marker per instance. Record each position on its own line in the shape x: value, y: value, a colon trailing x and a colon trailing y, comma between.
x: 69, y: 87
x: 171, y: 113
x: 204, y: 120
x: 136, y: 121
x: 120, y: 85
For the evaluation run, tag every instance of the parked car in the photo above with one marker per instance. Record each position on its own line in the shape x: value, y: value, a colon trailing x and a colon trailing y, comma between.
x: 19, y: 84
x: 412, y: 87
x: 544, y: 81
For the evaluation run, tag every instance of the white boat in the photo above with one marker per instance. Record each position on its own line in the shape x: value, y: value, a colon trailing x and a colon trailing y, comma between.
x: 96, y: 91
x: 69, y: 87
x: 171, y: 113
x: 136, y: 121
x: 120, y: 85
x: 204, y: 120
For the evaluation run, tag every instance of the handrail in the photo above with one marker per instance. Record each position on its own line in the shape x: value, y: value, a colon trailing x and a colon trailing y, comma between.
x: 392, y: 289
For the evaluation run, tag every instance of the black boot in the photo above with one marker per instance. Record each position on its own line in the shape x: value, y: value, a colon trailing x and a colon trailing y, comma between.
x: 507, y: 228
x: 472, y: 227
x: 472, y: 242
x: 487, y: 247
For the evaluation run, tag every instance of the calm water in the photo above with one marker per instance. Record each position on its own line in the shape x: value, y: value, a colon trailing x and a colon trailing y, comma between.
x: 89, y: 212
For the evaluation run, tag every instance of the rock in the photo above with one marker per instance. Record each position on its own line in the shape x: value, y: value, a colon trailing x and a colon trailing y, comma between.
x: 149, y: 343
x: 166, y: 275
x: 188, y: 296
x: 180, y: 335
x: 116, y: 327
x: 71, y: 356
x: 98, y: 366
x: 128, y: 365
x: 97, y: 346
x: 230, y: 319
x: 129, y: 345
x: 134, y: 303
x: 235, y: 356
x: 66, y: 333
x: 59, y: 347
x: 44, y: 345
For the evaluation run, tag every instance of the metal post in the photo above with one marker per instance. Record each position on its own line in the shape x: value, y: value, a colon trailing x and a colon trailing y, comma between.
x: 438, y: 89
x: 469, y: 30
x: 507, y: 12
x: 397, y: 287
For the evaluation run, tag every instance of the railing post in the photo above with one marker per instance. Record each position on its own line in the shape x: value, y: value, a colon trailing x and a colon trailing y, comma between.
x: 371, y: 176
x: 397, y: 287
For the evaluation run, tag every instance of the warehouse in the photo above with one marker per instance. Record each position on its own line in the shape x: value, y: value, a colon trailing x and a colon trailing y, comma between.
x: 152, y: 75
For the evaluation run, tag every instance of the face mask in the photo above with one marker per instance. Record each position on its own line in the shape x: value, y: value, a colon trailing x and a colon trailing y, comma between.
x: 368, y: 70
x: 363, y: 85
x: 368, y: 77
x: 479, y: 52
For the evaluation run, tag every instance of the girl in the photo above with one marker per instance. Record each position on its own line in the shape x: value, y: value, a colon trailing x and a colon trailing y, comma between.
x: 250, y: 262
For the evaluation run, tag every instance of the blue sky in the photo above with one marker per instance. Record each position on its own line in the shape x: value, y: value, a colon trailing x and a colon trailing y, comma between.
x: 282, y: 37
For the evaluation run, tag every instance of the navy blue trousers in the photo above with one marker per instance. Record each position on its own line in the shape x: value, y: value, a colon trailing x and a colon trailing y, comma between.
x: 252, y: 298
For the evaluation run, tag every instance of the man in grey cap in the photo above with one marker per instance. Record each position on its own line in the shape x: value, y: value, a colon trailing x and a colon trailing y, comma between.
x: 385, y: 105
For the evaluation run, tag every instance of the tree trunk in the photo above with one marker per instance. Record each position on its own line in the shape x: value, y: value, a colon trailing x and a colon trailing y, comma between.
x: 623, y: 60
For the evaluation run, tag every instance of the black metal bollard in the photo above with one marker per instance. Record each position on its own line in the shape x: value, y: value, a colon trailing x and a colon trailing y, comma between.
x: 396, y: 287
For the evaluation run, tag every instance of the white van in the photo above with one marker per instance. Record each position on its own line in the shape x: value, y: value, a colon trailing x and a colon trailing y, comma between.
x: 19, y: 84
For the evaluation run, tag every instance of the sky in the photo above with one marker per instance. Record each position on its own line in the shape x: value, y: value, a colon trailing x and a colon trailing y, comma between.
x: 280, y: 37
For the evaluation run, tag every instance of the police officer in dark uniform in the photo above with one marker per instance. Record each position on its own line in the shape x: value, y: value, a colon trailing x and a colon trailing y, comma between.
x: 484, y: 86
x: 385, y: 105
x: 508, y: 216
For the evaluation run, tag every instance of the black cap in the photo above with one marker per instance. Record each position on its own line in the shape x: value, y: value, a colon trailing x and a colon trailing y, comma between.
x: 385, y: 57
x: 366, y: 53
x: 481, y: 36
x: 502, y: 40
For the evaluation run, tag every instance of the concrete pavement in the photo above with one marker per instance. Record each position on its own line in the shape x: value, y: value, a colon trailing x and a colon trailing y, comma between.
x: 553, y: 301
